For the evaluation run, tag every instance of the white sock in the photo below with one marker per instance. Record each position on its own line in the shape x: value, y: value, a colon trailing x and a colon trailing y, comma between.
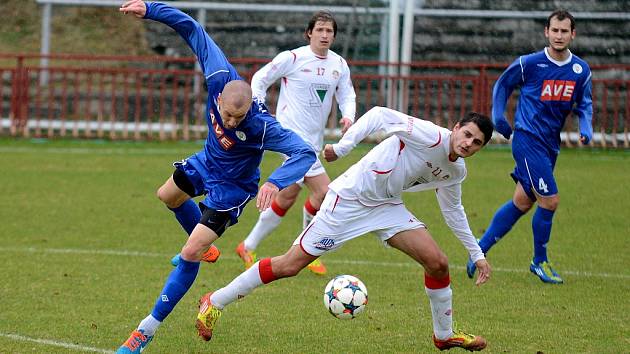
x: 306, y: 218
x: 442, y: 311
x: 149, y: 325
x: 241, y: 286
x: 267, y: 222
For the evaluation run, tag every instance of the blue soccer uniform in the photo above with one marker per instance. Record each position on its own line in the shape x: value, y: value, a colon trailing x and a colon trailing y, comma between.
x: 549, y: 92
x: 227, y: 169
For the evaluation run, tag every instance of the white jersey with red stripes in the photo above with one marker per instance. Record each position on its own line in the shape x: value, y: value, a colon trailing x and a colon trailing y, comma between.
x: 414, y: 158
x: 308, y: 84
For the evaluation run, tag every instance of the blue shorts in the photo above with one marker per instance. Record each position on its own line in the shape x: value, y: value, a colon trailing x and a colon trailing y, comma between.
x: 220, y: 193
x: 534, y: 166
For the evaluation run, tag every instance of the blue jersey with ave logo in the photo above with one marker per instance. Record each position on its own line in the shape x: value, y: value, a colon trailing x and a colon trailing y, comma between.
x: 234, y: 155
x: 549, y: 91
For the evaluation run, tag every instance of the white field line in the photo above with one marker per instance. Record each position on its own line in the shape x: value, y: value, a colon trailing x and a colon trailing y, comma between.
x: 409, y: 264
x: 54, y: 343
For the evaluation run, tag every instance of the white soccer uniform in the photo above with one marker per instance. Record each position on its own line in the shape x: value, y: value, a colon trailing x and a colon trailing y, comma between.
x: 367, y: 197
x: 306, y: 94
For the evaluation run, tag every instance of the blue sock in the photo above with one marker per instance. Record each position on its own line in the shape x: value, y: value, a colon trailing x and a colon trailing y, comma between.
x: 188, y: 214
x: 504, y: 218
x: 176, y: 286
x: 541, y: 225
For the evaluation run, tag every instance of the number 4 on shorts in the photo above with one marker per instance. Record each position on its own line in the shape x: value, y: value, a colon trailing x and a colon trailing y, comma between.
x: 542, y: 186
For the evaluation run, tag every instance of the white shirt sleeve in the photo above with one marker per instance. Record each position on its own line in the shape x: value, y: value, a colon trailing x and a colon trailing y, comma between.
x: 377, y: 118
x: 417, y: 132
x: 346, y: 97
x: 268, y: 74
x: 449, y: 199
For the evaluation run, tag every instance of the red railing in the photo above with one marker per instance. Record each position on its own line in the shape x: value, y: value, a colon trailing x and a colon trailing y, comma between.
x: 124, y: 97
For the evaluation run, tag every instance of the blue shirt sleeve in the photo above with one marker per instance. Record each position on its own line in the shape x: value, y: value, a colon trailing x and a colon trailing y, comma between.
x: 509, y: 79
x: 584, y: 110
x: 214, y: 65
x: 301, y: 155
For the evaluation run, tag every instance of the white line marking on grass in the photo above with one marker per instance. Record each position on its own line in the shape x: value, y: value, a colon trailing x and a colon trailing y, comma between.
x: 409, y: 264
x: 97, y: 151
x: 54, y: 343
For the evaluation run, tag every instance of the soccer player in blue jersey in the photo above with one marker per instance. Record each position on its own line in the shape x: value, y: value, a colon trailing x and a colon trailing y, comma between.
x: 553, y: 83
x: 226, y: 171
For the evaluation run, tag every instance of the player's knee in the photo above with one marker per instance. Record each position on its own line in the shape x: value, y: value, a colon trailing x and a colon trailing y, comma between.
x: 437, y: 265
x: 549, y: 203
x: 192, y: 252
x: 166, y: 197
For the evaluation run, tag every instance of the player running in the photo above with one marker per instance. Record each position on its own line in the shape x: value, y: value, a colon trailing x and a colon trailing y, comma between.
x: 311, y: 75
x: 554, y: 82
x: 226, y: 171
x: 418, y: 156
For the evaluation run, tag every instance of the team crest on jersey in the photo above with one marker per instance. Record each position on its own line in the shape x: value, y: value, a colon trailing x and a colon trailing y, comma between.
x: 335, y: 74
x: 577, y: 68
x: 557, y: 90
x: 241, y: 135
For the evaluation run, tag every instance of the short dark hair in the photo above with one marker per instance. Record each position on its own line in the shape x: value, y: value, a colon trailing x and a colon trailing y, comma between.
x: 324, y: 16
x: 482, y: 121
x: 561, y: 15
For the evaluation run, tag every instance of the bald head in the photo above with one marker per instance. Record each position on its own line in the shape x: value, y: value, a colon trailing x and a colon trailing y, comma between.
x: 235, y: 101
x: 237, y: 93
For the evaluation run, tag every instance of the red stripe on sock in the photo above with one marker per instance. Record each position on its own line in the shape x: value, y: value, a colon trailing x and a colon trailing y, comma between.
x: 434, y: 283
x: 277, y: 209
x: 309, y: 207
x: 264, y: 269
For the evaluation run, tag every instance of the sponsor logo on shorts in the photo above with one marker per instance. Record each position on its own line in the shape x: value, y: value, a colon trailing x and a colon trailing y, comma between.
x: 325, y: 244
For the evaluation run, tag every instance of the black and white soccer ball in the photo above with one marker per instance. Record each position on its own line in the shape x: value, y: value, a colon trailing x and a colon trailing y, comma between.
x: 345, y: 296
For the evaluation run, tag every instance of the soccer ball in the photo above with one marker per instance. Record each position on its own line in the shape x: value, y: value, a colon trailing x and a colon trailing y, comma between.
x: 345, y: 296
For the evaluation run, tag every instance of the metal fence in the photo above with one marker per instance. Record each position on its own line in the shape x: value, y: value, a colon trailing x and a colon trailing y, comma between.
x: 161, y: 98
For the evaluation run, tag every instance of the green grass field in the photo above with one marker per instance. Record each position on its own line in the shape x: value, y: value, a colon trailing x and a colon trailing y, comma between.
x: 86, y: 248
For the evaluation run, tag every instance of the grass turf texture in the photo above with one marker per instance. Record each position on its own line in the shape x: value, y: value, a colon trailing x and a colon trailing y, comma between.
x: 86, y: 248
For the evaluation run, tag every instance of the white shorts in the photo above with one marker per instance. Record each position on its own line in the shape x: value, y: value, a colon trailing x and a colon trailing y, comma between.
x: 340, y: 220
x: 316, y: 169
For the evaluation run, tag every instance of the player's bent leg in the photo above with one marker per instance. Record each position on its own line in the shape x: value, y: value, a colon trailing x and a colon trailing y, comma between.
x: 262, y: 272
